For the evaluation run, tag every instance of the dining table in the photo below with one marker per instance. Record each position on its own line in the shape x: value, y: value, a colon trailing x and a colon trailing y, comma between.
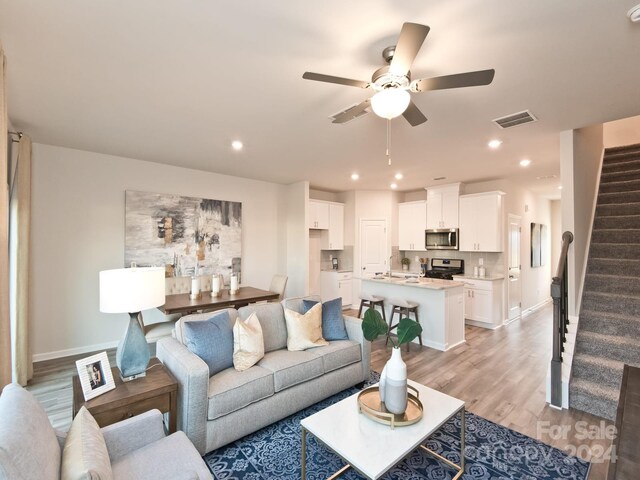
x: 183, y: 303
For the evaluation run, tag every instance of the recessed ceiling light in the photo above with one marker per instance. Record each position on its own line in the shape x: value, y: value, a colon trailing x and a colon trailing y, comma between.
x: 525, y: 163
x: 236, y: 145
x: 634, y: 14
x: 394, y: 186
x: 398, y: 176
x: 355, y: 176
x: 495, y: 143
x: 560, y: 187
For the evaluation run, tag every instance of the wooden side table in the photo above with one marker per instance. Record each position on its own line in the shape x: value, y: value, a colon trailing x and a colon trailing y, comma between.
x: 158, y: 389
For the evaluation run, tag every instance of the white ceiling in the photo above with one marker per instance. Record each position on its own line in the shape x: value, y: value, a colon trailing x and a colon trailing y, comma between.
x: 174, y: 81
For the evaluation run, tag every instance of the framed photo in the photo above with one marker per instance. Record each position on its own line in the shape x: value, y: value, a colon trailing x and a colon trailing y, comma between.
x: 95, y: 375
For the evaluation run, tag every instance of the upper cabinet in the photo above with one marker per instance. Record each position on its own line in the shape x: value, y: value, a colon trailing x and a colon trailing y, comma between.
x: 318, y: 214
x: 333, y: 238
x: 442, y: 206
x: 481, y: 222
x: 412, y: 222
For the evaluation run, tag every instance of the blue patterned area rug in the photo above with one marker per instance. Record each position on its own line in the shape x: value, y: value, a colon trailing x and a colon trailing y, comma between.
x: 492, y: 452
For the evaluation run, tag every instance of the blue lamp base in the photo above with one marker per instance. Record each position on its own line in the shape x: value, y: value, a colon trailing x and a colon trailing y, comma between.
x: 132, y: 355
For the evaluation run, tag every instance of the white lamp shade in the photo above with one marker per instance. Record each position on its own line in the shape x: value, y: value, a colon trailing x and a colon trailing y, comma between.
x: 128, y: 290
x: 390, y: 102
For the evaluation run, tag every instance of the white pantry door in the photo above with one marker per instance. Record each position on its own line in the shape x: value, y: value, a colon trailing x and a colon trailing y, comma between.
x: 515, y: 286
x: 373, y: 247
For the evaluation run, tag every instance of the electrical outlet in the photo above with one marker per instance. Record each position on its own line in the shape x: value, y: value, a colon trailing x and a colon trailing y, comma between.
x: 481, y: 261
x: 416, y: 259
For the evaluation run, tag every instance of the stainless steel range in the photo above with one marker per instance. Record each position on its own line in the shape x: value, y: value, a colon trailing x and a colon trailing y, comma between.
x: 445, y: 268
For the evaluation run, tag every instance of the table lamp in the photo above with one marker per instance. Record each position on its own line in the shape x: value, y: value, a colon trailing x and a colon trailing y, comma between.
x: 130, y: 290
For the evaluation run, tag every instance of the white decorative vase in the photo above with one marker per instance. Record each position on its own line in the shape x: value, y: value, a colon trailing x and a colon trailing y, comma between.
x: 395, y: 383
x: 382, y: 383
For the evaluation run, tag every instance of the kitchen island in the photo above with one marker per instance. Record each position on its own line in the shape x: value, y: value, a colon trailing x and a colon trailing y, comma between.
x: 440, y: 306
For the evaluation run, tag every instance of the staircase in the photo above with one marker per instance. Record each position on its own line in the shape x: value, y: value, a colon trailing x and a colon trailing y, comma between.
x: 609, y: 328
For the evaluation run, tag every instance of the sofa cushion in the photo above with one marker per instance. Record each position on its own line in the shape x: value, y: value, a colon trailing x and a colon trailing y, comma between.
x: 28, y: 444
x: 332, y: 320
x: 248, y: 345
x: 231, y: 390
x: 291, y: 368
x: 212, y: 341
x: 297, y: 303
x: 304, y: 330
x: 274, y: 328
x: 178, y: 332
x: 85, y: 455
x: 338, y: 354
x: 171, y: 458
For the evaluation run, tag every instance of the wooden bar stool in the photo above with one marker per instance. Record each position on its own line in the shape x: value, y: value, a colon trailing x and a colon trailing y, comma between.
x: 401, y: 307
x: 371, y: 301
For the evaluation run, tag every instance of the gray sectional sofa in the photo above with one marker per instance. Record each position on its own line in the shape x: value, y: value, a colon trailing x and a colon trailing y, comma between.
x: 218, y: 410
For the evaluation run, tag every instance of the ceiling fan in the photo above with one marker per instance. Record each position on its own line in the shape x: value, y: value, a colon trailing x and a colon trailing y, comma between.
x: 392, y: 83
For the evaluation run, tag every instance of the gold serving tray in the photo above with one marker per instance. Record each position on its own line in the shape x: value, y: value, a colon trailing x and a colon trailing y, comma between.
x: 370, y: 405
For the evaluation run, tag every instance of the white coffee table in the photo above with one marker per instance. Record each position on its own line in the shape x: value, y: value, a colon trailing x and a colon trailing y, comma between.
x: 372, y: 448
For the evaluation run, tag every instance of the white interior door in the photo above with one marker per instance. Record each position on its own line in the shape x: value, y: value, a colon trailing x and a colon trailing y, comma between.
x: 373, y: 247
x: 514, y: 285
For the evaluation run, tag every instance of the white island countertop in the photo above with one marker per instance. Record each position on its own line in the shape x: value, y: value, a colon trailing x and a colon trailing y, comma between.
x: 489, y: 278
x: 427, y: 283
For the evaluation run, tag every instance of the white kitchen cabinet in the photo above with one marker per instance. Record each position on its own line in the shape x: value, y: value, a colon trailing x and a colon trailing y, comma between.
x: 318, y: 214
x: 482, y: 222
x: 334, y: 284
x: 442, y: 206
x: 482, y: 301
x: 412, y: 222
x: 333, y: 237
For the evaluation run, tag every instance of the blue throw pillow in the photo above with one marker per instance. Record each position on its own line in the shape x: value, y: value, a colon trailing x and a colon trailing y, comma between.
x: 332, y: 321
x: 212, y: 341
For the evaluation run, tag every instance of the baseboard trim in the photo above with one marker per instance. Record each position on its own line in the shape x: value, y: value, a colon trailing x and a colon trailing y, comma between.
x: 528, y: 311
x: 488, y: 326
x: 40, y: 357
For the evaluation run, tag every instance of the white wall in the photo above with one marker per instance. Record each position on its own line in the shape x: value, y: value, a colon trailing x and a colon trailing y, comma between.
x: 297, y: 238
x: 622, y: 132
x: 78, y: 230
x: 556, y: 234
x: 580, y: 163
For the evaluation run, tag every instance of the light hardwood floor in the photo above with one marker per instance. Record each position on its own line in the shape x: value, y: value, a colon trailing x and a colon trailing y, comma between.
x: 499, y: 374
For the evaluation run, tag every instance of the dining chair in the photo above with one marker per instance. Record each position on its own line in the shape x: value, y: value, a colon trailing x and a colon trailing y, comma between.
x: 278, y: 285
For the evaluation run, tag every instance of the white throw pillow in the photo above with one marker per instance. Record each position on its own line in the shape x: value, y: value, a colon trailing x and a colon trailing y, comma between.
x: 304, y: 331
x: 248, y: 344
x: 85, y: 455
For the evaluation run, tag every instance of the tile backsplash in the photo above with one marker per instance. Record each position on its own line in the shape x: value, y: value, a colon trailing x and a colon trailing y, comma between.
x: 493, y: 262
x: 345, y: 258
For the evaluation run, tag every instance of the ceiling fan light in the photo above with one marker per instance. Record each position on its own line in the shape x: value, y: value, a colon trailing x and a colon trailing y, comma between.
x: 390, y: 102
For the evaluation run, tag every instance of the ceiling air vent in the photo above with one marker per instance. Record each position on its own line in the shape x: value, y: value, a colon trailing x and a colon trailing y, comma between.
x: 358, y: 115
x: 515, y: 119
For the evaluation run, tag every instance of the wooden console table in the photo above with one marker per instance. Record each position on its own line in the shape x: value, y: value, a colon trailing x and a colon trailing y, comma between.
x: 158, y: 389
x: 627, y: 441
x: 182, y: 303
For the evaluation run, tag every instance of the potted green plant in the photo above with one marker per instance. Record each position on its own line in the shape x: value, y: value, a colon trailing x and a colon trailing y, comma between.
x: 393, y: 379
x: 405, y: 263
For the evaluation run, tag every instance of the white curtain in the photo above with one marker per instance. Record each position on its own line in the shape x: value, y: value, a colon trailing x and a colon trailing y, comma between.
x: 19, y: 243
x: 5, y: 322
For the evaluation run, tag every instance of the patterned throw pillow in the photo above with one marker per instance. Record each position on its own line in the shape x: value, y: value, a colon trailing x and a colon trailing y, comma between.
x: 248, y: 344
x: 332, y: 320
x: 212, y: 341
x: 85, y: 454
x: 304, y: 330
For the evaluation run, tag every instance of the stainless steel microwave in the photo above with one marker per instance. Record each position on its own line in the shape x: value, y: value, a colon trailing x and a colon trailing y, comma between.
x: 441, y: 239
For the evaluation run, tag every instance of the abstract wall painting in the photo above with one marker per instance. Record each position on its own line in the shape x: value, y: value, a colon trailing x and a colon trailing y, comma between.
x: 539, y: 245
x: 181, y: 233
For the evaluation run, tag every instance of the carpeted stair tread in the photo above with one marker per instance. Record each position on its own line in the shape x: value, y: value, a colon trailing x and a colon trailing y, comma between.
x: 615, y: 347
x: 613, y: 266
x: 620, y: 186
x: 597, y: 282
x: 616, y: 235
x: 616, y: 222
x: 631, y: 208
x: 629, y: 251
x: 608, y: 323
x: 629, y: 165
x: 612, y: 302
x: 601, y: 370
x: 619, y: 197
x: 621, y: 175
x: 593, y: 398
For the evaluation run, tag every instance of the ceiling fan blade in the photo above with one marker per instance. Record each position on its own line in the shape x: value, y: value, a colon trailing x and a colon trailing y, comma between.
x: 469, y: 79
x: 319, y: 77
x: 413, y: 115
x: 353, y: 112
x: 411, y: 38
